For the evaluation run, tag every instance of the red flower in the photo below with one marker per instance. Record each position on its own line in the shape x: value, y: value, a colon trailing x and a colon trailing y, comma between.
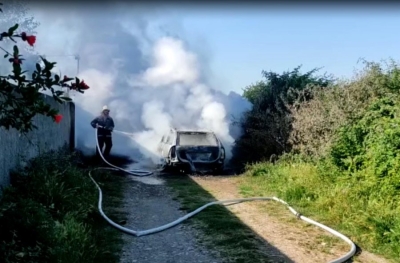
x: 30, y: 39
x: 83, y: 85
x: 58, y: 118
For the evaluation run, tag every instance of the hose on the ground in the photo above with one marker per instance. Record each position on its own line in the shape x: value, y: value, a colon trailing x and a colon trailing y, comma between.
x: 139, y: 173
x: 154, y: 230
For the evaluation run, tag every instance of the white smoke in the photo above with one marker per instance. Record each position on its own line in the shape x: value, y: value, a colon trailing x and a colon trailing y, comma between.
x: 174, y: 65
x: 150, y: 83
x: 171, y: 64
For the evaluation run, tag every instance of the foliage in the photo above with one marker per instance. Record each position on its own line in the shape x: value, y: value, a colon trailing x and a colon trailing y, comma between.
x: 21, y: 95
x: 281, y: 88
x: 344, y: 168
x: 316, y: 122
x: 267, y: 126
x: 372, y: 142
x: 49, y: 214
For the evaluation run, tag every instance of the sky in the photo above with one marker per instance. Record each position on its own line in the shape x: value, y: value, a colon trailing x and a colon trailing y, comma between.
x: 243, y: 42
x: 237, y: 42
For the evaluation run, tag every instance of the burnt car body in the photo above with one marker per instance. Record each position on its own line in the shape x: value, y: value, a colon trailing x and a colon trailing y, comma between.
x: 195, y: 151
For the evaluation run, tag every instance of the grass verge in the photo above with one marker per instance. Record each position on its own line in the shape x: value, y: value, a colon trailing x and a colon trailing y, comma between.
x: 220, y: 229
x: 338, y: 200
x: 49, y: 214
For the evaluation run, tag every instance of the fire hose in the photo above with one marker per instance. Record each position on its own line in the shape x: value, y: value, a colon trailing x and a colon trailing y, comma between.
x: 139, y: 233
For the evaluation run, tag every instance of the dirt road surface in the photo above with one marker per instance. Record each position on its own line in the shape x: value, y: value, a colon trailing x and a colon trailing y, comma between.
x: 149, y: 204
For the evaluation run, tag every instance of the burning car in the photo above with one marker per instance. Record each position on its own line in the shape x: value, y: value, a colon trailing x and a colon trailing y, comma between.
x: 195, y: 151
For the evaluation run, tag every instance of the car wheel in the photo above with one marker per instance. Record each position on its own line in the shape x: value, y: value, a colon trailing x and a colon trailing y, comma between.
x: 167, y: 168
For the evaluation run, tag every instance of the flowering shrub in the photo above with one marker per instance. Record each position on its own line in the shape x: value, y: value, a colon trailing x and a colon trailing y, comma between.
x: 20, y: 96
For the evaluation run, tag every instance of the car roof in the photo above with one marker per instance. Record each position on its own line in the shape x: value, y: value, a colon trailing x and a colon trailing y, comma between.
x: 193, y: 131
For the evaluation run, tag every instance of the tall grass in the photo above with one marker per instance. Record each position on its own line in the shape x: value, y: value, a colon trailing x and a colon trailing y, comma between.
x: 49, y: 214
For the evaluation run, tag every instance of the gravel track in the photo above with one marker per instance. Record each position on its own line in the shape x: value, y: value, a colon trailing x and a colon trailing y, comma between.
x: 151, y: 205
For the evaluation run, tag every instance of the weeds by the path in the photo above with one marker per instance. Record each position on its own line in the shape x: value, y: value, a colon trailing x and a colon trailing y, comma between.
x: 338, y: 200
x: 50, y: 213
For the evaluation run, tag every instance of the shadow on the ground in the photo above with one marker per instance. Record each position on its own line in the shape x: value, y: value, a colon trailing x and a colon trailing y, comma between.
x: 117, y: 160
x: 222, y: 229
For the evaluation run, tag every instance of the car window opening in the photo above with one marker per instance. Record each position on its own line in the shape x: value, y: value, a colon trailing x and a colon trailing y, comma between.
x: 197, y: 139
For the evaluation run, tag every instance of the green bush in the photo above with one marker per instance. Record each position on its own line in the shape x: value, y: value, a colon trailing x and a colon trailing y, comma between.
x: 267, y: 126
x: 372, y: 142
x: 316, y: 122
x: 49, y: 214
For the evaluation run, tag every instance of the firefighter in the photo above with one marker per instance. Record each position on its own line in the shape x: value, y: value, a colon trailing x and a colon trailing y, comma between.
x: 105, y: 125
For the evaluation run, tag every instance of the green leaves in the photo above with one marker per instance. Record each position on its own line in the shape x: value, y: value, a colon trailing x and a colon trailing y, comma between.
x: 26, y: 100
x: 16, y: 51
x: 48, y: 66
x: 393, y: 80
x: 371, y: 142
x: 38, y: 68
x: 268, y: 125
x: 21, y: 97
x: 12, y: 29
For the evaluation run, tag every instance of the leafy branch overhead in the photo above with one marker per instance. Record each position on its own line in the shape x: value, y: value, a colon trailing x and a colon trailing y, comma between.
x: 21, y: 95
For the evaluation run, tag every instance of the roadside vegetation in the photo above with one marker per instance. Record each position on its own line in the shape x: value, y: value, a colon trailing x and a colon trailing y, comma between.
x: 49, y: 214
x: 331, y: 148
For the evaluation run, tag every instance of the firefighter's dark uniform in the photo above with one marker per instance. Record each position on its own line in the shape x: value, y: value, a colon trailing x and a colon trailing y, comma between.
x: 104, y: 134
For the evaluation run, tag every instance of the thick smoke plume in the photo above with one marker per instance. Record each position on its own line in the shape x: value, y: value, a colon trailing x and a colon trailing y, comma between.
x: 151, y: 81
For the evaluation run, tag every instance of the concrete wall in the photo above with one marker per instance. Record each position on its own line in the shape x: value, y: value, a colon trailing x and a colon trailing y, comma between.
x: 16, y: 149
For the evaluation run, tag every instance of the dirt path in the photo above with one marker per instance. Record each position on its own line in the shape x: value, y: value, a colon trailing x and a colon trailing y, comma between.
x: 299, y: 241
x: 149, y: 204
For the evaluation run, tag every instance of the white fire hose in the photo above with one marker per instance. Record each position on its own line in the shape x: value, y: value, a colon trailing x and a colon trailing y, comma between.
x: 139, y: 233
